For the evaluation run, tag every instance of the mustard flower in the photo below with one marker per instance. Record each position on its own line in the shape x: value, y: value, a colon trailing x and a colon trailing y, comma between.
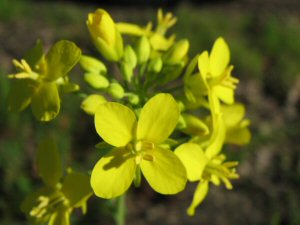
x: 214, y: 74
x: 138, y: 148
x: 41, y: 78
x: 105, y: 35
x: 204, y: 168
x: 54, y: 202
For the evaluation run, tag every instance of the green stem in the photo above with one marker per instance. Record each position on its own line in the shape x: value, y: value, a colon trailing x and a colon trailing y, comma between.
x: 121, y: 211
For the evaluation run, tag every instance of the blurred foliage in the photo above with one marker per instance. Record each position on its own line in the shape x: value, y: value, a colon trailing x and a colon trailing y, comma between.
x: 265, y: 51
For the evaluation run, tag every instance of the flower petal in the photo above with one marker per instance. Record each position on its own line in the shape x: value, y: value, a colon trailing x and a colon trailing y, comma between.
x: 60, y: 59
x: 49, y: 162
x: 115, y: 123
x: 113, y: 174
x: 45, y: 103
x: 203, y: 65
x: 20, y: 94
x: 165, y: 174
x: 199, y: 195
x: 193, y: 158
x: 226, y: 94
x: 158, y: 118
x: 219, y: 57
x: 233, y: 114
x: 76, y: 187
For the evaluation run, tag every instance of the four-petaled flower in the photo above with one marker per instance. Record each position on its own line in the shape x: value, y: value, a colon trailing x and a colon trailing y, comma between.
x: 138, y: 148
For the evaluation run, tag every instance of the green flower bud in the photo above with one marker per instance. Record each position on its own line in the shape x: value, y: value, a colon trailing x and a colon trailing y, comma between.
x: 116, y: 90
x: 155, y: 65
x: 130, y: 57
x: 90, y: 103
x: 105, y: 35
x: 127, y: 71
x: 96, y: 81
x: 91, y: 64
x: 177, y: 52
x: 143, y: 50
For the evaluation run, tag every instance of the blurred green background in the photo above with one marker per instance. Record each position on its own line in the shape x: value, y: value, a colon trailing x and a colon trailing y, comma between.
x: 264, y: 37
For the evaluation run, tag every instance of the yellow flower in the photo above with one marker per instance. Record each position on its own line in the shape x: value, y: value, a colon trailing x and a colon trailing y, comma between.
x: 203, y: 168
x: 55, y: 201
x: 138, y: 148
x: 237, y: 131
x: 105, y: 35
x: 214, y: 74
x: 41, y: 77
x: 157, y: 37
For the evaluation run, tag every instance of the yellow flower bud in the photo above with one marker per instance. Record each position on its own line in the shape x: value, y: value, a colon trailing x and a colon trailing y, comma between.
x: 143, y: 50
x: 105, y: 35
x: 177, y: 52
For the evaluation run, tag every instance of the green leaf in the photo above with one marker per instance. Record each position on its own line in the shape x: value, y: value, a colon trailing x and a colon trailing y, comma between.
x: 45, y: 103
x: 76, y: 187
x: 61, y: 58
x: 49, y: 162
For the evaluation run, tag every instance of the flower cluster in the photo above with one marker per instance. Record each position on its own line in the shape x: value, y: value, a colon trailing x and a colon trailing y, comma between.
x: 161, y: 116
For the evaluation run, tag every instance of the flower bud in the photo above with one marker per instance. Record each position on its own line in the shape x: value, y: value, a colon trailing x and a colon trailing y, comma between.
x: 155, y: 65
x: 90, y: 64
x: 90, y: 103
x: 177, y: 52
x: 143, y: 50
x: 116, y: 90
x: 105, y: 35
x: 96, y: 81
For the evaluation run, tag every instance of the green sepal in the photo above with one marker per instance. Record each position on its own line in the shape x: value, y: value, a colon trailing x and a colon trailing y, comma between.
x: 49, y: 162
x: 76, y: 188
x: 20, y: 94
x: 96, y: 81
x: 170, y: 72
x: 92, y: 65
x: 60, y: 59
x: 45, y: 102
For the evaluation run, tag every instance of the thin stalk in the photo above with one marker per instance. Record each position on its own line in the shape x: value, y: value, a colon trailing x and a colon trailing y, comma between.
x: 120, y: 211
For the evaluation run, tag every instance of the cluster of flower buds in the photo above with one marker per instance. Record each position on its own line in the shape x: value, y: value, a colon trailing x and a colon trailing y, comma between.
x: 160, y: 114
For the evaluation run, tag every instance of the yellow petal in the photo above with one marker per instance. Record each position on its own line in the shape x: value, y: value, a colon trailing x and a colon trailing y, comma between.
x: 233, y: 114
x: 219, y: 57
x: 158, y: 118
x: 49, y: 162
x: 45, y: 103
x: 226, y: 94
x: 115, y: 123
x: 193, y: 158
x: 113, y: 174
x: 165, y: 174
x: 76, y: 188
x: 237, y: 136
x: 199, y: 195
x: 203, y: 65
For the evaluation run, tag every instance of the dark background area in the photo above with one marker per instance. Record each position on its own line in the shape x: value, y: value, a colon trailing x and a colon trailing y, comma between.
x: 264, y: 38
